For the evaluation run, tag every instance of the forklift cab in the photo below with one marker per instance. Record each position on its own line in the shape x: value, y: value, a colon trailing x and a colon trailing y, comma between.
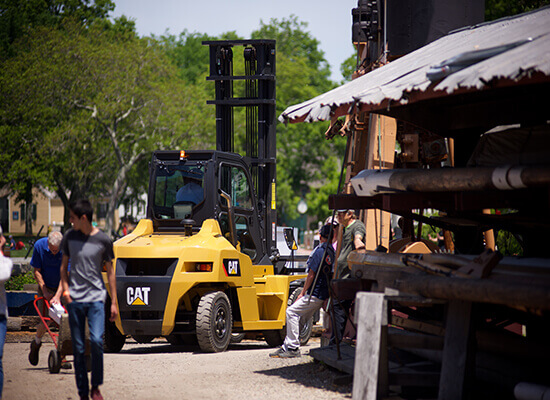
x: 184, y: 186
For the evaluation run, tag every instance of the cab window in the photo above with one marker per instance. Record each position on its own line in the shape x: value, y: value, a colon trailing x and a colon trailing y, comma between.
x: 243, y: 233
x: 178, y: 189
x: 235, y: 184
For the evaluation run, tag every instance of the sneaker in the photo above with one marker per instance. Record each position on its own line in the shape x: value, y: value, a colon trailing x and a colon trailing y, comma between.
x: 33, y: 354
x: 96, y: 394
x: 282, y: 353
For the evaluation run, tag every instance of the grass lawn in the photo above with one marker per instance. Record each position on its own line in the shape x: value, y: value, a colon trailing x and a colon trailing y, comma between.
x: 27, y: 240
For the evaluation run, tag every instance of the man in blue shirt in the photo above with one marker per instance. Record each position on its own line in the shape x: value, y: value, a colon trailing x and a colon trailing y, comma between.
x: 46, y: 262
x: 312, y: 297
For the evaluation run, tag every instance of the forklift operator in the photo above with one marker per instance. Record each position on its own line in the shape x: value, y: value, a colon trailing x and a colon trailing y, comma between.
x: 191, y: 191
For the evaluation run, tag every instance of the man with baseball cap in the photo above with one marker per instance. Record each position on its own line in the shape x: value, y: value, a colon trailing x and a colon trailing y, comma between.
x: 312, y: 297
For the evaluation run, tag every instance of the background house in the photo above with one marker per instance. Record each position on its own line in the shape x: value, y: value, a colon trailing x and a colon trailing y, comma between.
x: 47, y: 210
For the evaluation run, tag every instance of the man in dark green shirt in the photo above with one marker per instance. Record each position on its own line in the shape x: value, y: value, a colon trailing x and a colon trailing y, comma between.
x: 353, y: 238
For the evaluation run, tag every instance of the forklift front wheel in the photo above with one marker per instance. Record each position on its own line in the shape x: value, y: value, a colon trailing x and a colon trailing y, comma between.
x: 214, y: 322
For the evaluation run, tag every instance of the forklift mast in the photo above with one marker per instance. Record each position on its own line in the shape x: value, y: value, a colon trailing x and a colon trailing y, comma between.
x: 259, y: 104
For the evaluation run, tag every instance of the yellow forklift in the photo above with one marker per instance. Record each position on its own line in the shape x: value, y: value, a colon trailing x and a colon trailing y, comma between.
x: 203, y: 267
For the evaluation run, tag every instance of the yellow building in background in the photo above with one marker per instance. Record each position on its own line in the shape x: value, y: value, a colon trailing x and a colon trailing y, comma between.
x: 47, y: 210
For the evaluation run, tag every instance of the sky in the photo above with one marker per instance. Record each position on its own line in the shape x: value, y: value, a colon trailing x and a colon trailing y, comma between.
x: 329, y: 21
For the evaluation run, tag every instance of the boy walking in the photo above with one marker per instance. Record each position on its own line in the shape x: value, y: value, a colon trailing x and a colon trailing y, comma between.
x: 89, y: 251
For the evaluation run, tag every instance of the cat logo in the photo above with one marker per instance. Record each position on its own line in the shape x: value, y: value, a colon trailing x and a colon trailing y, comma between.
x: 138, y: 296
x: 232, y: 267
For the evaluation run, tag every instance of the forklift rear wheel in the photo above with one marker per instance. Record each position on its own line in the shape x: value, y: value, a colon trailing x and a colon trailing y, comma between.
x: 274, y: 338
x: 237, y: 337
x: 182, y: 339
x: 214, y: 322
x: 113, y: 340
x: 54, y: 362
x: 143, y: 339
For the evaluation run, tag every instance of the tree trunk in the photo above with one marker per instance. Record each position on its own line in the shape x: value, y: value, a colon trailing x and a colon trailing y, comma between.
x: 119, y: 188
x: 28, y: 208
x: 65, y: 200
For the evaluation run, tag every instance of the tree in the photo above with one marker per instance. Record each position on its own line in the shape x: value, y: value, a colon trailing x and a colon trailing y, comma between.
x: 303, y: 154
x: 348, y: 67
x: 187, y: 53
x: 18, y: 16
x: 495, y: 9
x: 102, y: 102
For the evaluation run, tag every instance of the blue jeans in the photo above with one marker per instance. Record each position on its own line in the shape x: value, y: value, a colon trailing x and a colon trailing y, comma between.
x: 95, y: 312
x: 3, y: 329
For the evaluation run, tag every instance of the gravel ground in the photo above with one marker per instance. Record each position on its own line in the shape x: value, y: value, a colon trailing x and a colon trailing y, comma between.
x: 161, y: 371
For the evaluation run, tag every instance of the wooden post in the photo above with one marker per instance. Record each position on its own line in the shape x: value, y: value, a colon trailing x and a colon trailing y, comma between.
x: 458, y: 359
x: 489, y: 235
x: 370, y: 361
x: 380, y: 154
x: 447, y: 235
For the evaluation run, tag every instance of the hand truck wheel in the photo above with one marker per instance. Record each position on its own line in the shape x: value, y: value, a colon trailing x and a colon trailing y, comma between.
x: 54, y: 362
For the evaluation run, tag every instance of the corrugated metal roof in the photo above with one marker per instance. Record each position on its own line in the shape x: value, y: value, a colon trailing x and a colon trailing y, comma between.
x: 408, y: 74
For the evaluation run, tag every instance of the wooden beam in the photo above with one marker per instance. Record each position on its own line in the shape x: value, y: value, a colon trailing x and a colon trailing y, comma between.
x: 410, y: 340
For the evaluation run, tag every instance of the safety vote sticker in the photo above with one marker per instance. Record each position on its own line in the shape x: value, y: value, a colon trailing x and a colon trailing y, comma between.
x: 232, y: 267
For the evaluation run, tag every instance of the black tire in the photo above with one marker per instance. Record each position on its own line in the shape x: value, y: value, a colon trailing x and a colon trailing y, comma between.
x: 237, y: 337
x: 214, y: 322
x: 306, y: 327
x: 113, y: 340
x: 143, y: 339
x: 274, y: 338
x: 54, y: 362
x: 182, y: 340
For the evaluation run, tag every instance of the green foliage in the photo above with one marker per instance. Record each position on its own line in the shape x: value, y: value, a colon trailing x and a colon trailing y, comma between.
x: 91, y: 103
x: 17, y: 282
x: 429, y: 232
x: 298, y: 45
x: 86, y: 101
x: 495, y: 9
x: 187, y: 53
x: 508, y: 245
x: 348, y: 67
x: 317, y: 198
x: 304, y: 157
x: 17, y: 16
